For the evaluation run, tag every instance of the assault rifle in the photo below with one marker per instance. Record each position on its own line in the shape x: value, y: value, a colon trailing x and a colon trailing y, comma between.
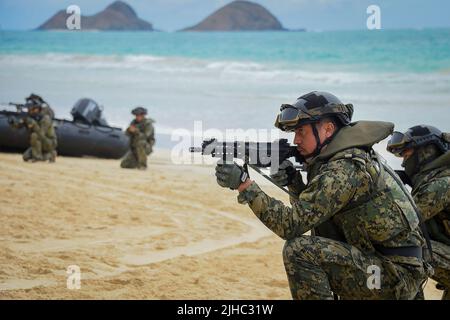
x: 256, y: 155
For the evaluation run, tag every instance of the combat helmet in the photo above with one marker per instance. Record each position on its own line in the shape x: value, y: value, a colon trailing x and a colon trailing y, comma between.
x: 416, y: 137
x: 34, y: 99
x: 427, y: 141
x: 312, y: 108
x: 139, y: 111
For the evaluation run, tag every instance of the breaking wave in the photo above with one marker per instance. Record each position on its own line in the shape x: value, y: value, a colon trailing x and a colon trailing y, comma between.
x: 225, y: 69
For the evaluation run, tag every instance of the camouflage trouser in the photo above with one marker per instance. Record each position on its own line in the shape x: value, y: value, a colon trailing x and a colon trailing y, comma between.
x: 441, y: 265
x: 317, y: 267
x: 41, y: 148
x: 137, y: 156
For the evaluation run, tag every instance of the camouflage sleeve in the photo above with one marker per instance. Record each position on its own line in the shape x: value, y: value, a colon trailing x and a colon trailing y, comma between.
x: 127, y: 131
x: 433, y: 197
x: 148, y: 130
x: 296, y: 187
x: 32, y: 125
x: 325, y: 195
x: 145, y: 133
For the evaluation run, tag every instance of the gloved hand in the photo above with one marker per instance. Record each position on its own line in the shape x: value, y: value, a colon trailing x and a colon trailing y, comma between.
x: 31, y: 123
x: 285, y: 174
x: 132, y: 129
x: 230, y: 175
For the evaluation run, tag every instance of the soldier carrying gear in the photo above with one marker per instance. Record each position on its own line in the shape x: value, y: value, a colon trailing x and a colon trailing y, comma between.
x: 142, y: 139
x: 426, y: 159
x: 361, y: 217
x: 43, y: 140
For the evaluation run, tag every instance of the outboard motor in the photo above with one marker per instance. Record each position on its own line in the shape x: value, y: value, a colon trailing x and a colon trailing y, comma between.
x: 89, y: 112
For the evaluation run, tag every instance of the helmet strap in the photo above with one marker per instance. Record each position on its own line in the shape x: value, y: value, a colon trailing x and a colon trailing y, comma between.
x: 319, y: 145
x: 411, y: 165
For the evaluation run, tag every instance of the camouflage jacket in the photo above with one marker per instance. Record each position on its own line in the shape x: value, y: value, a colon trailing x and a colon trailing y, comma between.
x: 42, y: 126
x: 431, y: 191
x: 350, y: 191
x: 145, y: 131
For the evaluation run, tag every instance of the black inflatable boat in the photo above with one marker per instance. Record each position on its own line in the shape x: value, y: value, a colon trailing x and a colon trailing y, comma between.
x: 88, y: 134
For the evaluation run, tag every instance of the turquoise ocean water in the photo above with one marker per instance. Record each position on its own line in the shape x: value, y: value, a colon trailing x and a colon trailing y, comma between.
x: 232, y: 80
x: 393, y: 50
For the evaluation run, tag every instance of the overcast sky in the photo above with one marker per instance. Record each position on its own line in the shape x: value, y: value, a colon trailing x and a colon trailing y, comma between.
x: 172, y: 15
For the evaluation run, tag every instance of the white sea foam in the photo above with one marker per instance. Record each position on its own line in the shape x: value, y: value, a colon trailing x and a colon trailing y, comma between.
x: 228, y: 69
x: 222, y: 93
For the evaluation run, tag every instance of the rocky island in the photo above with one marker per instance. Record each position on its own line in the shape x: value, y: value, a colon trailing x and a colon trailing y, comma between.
x: 239, y: 16
x: 118, y: 16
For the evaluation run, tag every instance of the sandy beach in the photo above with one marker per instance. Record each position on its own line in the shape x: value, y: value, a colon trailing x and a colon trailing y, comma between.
x: 166, y: 233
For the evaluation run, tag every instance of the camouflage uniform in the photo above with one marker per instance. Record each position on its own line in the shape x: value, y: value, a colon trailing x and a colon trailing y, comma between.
x: 426, y: 159
x: 141, y: 144
x: 356, y: 211
x: 43, y: 140
x: 431, y: 191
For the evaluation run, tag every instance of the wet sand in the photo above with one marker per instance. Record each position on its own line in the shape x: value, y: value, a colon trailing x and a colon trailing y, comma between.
x: 169, y: 232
